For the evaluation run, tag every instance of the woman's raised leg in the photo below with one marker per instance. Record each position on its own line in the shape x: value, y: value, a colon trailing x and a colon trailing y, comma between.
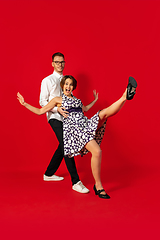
x: 114, y: 108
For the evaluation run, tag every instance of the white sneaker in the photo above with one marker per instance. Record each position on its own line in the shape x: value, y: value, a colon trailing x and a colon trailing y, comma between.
x: 52, y: 178
x: 79, y: 187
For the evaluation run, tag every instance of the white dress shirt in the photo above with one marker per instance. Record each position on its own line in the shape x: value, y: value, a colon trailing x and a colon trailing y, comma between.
x: 50, y: 88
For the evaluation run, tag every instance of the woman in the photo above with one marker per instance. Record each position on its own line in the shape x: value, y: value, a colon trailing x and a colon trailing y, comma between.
x: 81, y: 134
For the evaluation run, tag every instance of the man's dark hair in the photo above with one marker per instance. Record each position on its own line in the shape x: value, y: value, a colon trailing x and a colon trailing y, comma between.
x: 57, y: 54
x: 64, y: 79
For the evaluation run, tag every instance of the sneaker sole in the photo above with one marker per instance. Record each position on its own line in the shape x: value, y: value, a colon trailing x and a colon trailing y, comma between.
x: 80, y: 191
x: 55, y: 180
x: 133, y: 82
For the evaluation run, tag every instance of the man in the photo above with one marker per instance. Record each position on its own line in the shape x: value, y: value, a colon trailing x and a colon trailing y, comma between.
x: 50, y: 88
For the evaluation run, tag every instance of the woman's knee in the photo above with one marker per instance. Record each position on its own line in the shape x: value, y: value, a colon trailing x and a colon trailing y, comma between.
x: 94, y: 148
x: 103, y: 114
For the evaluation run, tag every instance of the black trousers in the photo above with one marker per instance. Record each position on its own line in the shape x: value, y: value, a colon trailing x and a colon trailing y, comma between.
x: 56, y: 160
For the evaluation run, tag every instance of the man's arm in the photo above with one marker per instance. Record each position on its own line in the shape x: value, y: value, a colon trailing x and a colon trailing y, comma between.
x: 86, y: 108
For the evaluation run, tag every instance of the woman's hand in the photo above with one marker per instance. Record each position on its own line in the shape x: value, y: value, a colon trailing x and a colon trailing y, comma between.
x: 20, y: 99
x: 86, y: 108
x: 62, y: 111
x: 95, y: 95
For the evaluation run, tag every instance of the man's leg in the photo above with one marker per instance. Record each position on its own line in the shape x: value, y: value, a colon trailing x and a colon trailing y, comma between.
x: 57, y: 127
x: 55, y: 162
x: 58, y: 155
x: 71, y: 166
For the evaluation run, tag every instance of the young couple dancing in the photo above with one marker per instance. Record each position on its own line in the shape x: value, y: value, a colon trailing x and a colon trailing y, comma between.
x: 78, y: 135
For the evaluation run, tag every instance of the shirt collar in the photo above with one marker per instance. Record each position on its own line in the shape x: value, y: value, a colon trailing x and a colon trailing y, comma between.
x: 57, y: 74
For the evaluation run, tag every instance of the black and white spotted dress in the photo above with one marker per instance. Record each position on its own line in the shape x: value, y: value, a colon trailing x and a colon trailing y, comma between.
x: 78, y: 129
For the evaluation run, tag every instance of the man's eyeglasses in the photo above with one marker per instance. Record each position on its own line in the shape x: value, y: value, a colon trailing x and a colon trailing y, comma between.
x: 58, y: 63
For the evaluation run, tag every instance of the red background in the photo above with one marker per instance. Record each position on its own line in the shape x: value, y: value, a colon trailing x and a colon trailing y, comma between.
x: 104, y: 42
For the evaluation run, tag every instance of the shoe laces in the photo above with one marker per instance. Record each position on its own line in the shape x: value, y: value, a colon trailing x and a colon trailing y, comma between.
x: 81, y: 185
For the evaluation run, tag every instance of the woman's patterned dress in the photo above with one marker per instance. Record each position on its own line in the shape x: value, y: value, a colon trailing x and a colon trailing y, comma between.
x: 78, y: 130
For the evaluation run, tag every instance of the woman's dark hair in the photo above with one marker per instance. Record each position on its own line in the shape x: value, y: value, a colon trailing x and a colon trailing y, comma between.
x: 64, y: 79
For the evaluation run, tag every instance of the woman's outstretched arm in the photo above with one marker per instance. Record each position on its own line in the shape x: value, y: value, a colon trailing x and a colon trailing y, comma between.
x: 39, y: 111
x: 86, y: 108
